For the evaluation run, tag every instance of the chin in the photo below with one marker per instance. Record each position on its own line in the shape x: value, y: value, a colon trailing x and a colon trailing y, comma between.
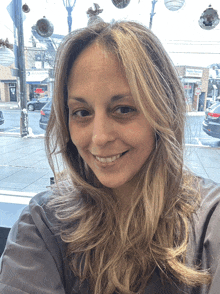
x: 111, y: 185
x: 114, y: 185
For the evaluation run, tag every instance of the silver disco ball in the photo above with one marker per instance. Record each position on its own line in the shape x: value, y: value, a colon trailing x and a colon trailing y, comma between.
x: 174, y: 5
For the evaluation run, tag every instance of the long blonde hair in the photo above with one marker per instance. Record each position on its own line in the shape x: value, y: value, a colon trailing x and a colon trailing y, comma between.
x: 111, y: 253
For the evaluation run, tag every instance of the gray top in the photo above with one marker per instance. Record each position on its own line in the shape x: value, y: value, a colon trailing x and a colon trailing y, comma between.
x: 34, y: 257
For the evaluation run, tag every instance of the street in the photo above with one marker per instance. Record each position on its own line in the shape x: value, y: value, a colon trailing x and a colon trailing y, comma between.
x: 193, y: 133
x: 12, y: 121
x: 24, y: 169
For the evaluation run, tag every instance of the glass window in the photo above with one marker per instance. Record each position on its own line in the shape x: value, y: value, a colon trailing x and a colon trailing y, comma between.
x: 194, y: 51
x: 217, y: 109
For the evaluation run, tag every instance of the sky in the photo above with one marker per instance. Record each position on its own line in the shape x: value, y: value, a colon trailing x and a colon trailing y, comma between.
x: 179, y: 31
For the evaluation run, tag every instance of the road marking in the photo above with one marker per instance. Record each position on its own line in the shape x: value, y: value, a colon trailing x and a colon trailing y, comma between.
x: 41, y: 136
x: 24, y: 194
x: 16, y: 197
x: 201, y: 146
x: 199, y: 142
x: 8, y: 133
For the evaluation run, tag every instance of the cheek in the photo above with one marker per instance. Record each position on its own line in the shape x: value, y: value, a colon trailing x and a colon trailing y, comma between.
x: 79, y: 137
x: 147, y: 145
x: 142, y: 136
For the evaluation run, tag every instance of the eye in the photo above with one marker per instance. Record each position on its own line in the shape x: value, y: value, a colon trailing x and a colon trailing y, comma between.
x: 80, y: 113
x: 124, y: 110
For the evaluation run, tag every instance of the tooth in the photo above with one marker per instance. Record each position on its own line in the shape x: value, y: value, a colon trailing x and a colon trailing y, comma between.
x: 109, y: 159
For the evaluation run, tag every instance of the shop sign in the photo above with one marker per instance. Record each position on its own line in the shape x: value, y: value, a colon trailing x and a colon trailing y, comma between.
x: 191, y: 72
x: 39, y: 91
x: 36, y: 75
x: 186, y: 87
x: 191, y: 81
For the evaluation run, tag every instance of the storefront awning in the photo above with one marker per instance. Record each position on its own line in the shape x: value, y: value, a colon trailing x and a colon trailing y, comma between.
x: 190, y: 80
x: 8, y: 81
x: 36, y: 76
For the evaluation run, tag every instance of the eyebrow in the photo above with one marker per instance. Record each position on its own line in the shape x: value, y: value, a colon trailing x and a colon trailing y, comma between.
x: 113, y: 99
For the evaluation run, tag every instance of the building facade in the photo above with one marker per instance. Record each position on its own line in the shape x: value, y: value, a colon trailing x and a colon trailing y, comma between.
x: 8, y: 84
x: 39, y: 63
x: 195, y: 82
x: 37, y: 79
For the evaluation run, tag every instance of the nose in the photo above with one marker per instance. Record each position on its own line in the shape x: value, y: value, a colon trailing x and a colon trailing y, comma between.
x: 103, y: 130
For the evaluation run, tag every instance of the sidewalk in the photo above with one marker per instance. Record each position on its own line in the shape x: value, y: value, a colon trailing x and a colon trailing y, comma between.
x: 203, y: 161
x: 24, y: 166
x: 24, y: 171
x: 9, y: 105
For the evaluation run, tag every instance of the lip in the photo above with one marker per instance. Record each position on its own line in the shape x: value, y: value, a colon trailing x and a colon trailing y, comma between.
x: 109, y: 164
x: 107, y: 156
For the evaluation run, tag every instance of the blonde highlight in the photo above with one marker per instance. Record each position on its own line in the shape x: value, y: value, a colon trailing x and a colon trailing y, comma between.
x: 117, y: 252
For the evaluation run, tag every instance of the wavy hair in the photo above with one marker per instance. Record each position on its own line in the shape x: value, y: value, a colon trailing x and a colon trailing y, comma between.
x: 117, y: 254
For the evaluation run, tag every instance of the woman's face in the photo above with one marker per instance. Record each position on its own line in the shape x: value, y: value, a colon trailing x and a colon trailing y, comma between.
x: 111, y: 134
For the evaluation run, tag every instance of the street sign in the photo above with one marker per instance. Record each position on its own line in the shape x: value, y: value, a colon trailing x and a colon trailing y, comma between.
x: 198, y: 91
x: 12, y: 14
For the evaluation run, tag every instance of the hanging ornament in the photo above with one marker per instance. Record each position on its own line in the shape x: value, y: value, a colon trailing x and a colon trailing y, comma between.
x: 209, y: 19
x: 121, y: 3
x: 93, y: 14
x: 6, y: 54
x: 25, y: 8
x: 174, y: 5
x: 44, y: 27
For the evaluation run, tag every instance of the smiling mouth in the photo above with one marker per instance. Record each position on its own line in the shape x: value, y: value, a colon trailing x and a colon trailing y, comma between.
x: 110, y: 159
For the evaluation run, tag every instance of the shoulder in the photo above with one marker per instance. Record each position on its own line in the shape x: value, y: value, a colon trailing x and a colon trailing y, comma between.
x: 39, y: 210
x: 210, y: 192
x: 210, y: 204
x: 203, y: 248
x: 208, y: 212
x: 37, y: 220
x: 33, y: 249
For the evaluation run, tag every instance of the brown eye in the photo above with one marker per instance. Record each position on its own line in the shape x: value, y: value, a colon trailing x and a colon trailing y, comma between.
x: 80, y: 113
x: 124, y: 109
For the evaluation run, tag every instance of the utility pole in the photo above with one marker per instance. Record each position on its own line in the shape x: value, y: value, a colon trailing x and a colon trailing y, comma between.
x: 152, y: 13
x: 18, y: 19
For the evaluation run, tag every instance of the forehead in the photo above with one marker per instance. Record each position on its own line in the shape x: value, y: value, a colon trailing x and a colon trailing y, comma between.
x: 93, y: 51
x: 95, y: 65
x: 96, y: 57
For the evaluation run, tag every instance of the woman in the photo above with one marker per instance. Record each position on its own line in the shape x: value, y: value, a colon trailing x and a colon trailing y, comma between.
x: 124, y: 216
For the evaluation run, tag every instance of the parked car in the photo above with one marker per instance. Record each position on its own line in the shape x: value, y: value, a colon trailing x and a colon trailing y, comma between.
x: 44, y: 115
x: 211, y: 106
x: 38, y: 104
x: 211, y: 123
x: 210, y: 101
x: 1, y: 118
